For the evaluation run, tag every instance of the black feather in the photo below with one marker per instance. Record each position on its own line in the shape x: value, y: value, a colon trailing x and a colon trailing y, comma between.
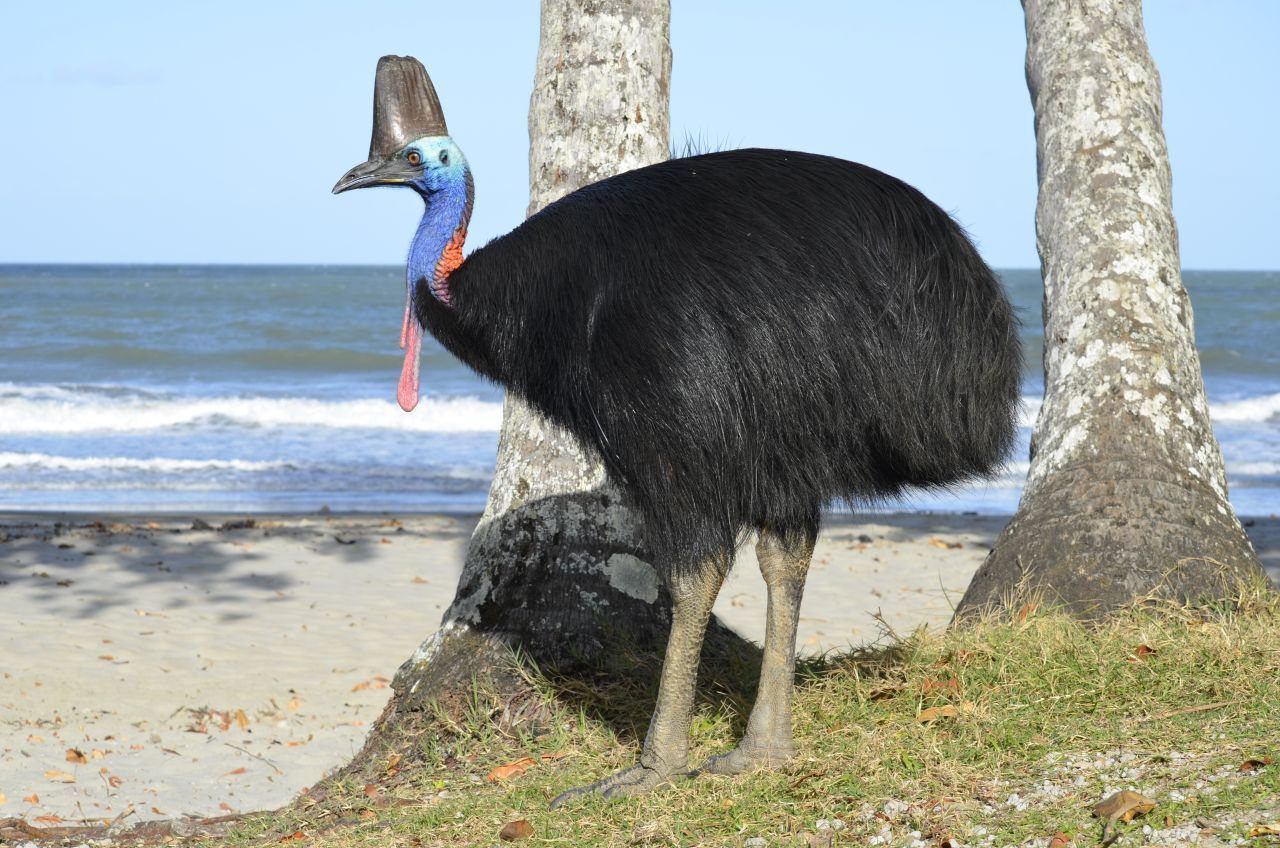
x: 746, y: 336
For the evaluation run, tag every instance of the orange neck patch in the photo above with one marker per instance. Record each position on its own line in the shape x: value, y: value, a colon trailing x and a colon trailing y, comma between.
x: 449, y: 261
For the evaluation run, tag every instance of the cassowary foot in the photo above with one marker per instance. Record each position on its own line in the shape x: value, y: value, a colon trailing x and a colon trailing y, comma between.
x: 748, y: 757
x: 636, y: 780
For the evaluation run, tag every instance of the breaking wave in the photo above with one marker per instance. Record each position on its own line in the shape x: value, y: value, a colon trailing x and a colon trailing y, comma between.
x: 47, y: 409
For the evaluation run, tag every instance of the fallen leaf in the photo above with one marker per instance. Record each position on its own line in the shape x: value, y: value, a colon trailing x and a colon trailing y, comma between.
x: 370, y: 790
x: 293, y: 837
x: 1026, y: 612
x: 726, y: 804
x: 153, y: 525
x: 1264, y: 830
x: 510, y: 770
x: 98, y: 755
x: 107, y: 657
x: 115, y: 782
x: 393, y: 761
x: 35, y: 740
x: 295, y: 743
x: 938, y: 543
x: 242, y: 720
x: 1121, y: 806
x: 223, y: 805
x: 518, y: 829
x: 1254, y: 765
x: 1059, y: 840
x: 384, y: 541
x: 157, y: 811
x: 945, y: 711
x: 75, y: 755
x: 885, y: 690
x: 1126, y: 805
x: 367, y: 814
x: 240, y: 770
x: 935, y: 713
x: 293, y: 704
x: 1143, y: 650
x: 33, y: 798
x: 3, y: 799
x: 417, y: 579
x: 49, y: 819
x: 949, y: 684
x: 59, y: 776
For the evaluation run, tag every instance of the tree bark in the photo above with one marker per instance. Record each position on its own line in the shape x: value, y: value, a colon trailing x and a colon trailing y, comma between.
x: 1126, y: 496
x: 557, y: 568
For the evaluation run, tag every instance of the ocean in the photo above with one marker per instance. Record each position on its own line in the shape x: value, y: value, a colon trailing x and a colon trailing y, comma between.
x: 272, y: 389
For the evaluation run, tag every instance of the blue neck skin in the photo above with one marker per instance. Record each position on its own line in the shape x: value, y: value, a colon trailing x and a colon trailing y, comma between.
x: 448, y: 193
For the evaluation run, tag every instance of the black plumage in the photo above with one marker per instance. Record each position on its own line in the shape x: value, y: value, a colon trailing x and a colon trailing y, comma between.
x: 745, y: 336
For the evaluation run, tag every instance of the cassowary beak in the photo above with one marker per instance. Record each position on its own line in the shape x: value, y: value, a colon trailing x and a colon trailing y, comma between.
x: 377, y: 172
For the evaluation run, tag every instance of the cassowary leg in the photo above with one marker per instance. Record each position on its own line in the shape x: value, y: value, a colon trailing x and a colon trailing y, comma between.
x: 784, y: 561
x: 665, y: 755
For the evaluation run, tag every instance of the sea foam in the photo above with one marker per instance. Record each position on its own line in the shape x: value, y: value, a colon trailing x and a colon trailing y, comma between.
x: 68, y: 410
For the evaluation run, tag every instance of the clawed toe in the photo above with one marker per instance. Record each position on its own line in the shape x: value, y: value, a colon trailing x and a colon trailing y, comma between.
x: 745, y: 758
x: 632, y: 781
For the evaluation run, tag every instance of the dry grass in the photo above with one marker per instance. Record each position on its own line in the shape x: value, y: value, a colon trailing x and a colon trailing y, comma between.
x: 1039, y: 717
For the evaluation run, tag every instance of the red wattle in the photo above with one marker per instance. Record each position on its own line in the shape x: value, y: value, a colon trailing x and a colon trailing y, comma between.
x: 407, y: 390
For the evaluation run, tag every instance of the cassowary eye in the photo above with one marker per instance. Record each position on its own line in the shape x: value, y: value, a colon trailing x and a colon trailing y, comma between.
x: 414, y: 157
x: 444, y: 157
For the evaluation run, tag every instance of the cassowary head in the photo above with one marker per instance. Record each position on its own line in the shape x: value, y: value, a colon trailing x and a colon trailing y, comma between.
x: 411, y: 144
x: 411, y: 147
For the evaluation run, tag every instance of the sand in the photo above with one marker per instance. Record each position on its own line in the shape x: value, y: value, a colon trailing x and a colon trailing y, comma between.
x: 154, y: 670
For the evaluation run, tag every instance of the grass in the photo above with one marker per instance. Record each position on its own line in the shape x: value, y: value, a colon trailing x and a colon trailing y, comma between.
x: 1041, y: 717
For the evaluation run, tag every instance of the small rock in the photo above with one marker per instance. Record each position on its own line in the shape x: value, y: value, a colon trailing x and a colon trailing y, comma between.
x: 755, y: 842
x: 241, y: 524
x: 201, y: 524
x: 894, y: 808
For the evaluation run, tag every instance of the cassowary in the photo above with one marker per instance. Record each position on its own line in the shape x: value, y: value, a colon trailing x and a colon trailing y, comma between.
x: 741, y: 336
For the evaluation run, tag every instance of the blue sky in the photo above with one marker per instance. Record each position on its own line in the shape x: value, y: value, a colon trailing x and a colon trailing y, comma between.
x: 184, y: 132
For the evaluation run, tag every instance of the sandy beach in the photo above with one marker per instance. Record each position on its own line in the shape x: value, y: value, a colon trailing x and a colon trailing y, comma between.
x: 172, y: 666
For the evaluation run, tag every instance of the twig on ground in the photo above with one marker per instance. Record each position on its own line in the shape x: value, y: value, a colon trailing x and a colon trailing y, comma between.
x: 1217, y: 705
x: 277, y: 768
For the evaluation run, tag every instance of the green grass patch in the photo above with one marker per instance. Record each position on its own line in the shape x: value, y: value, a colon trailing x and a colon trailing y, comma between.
x: 1035, y: 718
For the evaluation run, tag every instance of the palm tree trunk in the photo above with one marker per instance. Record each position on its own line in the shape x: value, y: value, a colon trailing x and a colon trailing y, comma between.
x: 1127, y: 496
